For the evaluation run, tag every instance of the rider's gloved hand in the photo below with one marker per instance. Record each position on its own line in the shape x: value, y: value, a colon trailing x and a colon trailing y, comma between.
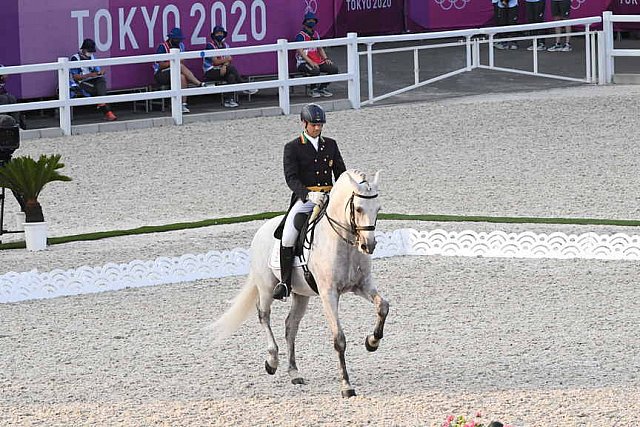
x: 316, y: 197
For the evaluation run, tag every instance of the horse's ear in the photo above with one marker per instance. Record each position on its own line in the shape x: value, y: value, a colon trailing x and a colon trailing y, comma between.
x: 376, y: 179
x: 353, y: 182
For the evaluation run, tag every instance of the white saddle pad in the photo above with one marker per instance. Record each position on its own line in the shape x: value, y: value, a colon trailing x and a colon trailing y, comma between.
x: 274, y: 259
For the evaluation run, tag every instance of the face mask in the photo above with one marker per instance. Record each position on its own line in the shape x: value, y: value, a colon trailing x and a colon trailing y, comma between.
x: 310, y: 24
x: 219, y: 38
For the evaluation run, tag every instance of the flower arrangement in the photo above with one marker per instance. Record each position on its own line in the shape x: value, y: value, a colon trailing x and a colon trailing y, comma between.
x: 462, y: 421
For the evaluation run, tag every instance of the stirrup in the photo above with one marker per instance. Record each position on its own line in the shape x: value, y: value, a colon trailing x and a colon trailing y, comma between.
x: 281, y: 291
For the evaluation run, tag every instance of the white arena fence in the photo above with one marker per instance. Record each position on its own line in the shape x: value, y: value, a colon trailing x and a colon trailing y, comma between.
x: 598, y: 65
x: 609, y: 52
x: 15, y: 287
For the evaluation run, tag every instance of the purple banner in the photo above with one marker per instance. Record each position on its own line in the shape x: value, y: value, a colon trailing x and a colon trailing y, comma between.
x: 369, y: 17
x: 436, y: 15
x: 49, y: 29
x: 38, y: 31
x: 447, y: 14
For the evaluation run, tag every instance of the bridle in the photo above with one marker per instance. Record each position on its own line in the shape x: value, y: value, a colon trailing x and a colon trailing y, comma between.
x: 353, y: 228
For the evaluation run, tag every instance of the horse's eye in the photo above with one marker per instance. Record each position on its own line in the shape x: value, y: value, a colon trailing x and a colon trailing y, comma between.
x: 359, y: 210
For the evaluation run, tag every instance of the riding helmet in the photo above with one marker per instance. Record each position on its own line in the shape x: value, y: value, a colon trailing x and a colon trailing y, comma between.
x: 313, y: 113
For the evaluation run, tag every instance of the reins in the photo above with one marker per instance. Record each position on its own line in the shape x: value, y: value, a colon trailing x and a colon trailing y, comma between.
x: 354, y: 228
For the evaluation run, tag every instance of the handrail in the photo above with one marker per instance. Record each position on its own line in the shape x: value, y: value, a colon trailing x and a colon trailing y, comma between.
x: 283, y: 82
x: 472, y: 39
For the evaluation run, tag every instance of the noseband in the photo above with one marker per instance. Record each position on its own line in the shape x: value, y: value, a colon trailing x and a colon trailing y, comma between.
x: 353, y: 229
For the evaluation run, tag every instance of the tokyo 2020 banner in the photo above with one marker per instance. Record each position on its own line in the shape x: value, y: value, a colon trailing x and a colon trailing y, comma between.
x: 38, y: 31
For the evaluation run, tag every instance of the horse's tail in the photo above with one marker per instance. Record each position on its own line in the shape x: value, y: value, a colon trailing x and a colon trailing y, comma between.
x: 242, y: 306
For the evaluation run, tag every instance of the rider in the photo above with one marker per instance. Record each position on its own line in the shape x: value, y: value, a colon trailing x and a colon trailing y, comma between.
x: 308, y: 161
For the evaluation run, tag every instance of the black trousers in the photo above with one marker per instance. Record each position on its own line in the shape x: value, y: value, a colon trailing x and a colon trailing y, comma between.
x: 7, y: 98
x: 96, y: 87
x: 310, y: 71
x: 507, y: 16
x: 231, y: 76
x: 535, y: 14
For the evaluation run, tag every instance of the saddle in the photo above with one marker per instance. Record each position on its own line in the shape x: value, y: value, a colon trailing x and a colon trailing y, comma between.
x: 301, y: 249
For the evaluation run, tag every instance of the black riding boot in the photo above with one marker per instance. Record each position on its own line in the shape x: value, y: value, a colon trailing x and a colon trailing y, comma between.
x: 283, y: 289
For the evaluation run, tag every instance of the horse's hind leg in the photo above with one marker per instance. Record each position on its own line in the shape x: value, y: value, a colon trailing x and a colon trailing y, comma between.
x: 264, y: 316
x: 298, y: 308
x: 371, y: 294
x: 330, y: 304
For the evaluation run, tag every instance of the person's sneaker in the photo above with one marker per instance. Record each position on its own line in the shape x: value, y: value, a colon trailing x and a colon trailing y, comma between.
x: 230, y: 103
x: 185, y: 108
x: 542, y: 46
x: 513, y: 46
x: 501, y: 46
x: 555, y: 48
x: 250, y: 91
x: 315, y: 93
x: 324, y: 92
x: 566, y: 47
x: 110, y: 116
x: 530, y: 47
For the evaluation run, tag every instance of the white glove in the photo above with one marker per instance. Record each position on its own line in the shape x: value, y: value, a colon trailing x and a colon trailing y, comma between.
x: 316, y: 197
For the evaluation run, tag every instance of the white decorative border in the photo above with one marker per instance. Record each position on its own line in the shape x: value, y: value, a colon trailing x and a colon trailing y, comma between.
x: 16, y: 287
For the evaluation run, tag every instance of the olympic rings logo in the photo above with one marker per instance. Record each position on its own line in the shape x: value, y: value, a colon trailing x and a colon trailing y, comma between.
x: 451, y: 4
x: 312, y: 6
x: 575, y: 4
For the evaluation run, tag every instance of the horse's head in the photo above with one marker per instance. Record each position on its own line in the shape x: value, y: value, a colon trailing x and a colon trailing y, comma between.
x: 353, y: 209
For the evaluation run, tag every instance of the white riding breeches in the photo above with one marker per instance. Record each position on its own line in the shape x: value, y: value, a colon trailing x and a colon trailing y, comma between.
x: 289, y: 233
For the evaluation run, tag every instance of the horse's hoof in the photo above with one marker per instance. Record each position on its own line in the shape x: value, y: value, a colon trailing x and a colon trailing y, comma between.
x: 348, y: 393
x: 368, y: 346
x: 298, y: 380
x: 268, y: 368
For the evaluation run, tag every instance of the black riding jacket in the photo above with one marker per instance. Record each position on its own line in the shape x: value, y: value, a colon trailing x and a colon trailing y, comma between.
x: 304, y: 167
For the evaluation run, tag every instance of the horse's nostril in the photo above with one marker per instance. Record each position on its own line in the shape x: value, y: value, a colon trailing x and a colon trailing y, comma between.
x: 363, y: 247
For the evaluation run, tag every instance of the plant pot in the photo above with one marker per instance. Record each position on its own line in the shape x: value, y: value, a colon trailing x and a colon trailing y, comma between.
x: 20, y: 218
x: 35, y: 235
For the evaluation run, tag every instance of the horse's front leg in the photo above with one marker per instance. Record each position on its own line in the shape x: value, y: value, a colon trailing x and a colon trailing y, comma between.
x: 330, y: 303
x: 370, y: 293
x: 298, y: 308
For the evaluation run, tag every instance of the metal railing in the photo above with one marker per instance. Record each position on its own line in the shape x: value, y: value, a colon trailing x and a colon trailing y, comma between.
x: 610, y: 53
x: 64, y: 102
x: 473, y: 40
x: 599, y: 65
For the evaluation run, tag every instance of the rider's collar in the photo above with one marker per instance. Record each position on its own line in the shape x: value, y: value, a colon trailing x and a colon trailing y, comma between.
x: 305, y: 137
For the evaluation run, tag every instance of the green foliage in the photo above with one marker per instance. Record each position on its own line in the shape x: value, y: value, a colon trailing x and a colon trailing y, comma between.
x: 27, y: 177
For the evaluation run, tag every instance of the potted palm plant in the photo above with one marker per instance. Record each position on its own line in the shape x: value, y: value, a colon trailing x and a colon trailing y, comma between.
x: 26, y: 178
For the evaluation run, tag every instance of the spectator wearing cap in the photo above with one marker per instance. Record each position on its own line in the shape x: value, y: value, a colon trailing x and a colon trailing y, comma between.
x: 89, y: 81
x: 7, y: 98
x: 161, y: 69
x: 220, y: 68
x: 313, y: 61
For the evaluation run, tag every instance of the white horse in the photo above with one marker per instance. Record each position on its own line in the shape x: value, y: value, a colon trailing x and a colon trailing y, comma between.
x: 340, y: 261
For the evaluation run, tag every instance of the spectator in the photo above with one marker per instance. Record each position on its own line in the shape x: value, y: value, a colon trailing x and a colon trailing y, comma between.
x: 162, y: 75
x: 89, y: 81
x: 313, y: 61
x: 507, y: 15
x: 220, y: 68
x: 560, y: 10
x: 535, y: 14
x: 7, y: 98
